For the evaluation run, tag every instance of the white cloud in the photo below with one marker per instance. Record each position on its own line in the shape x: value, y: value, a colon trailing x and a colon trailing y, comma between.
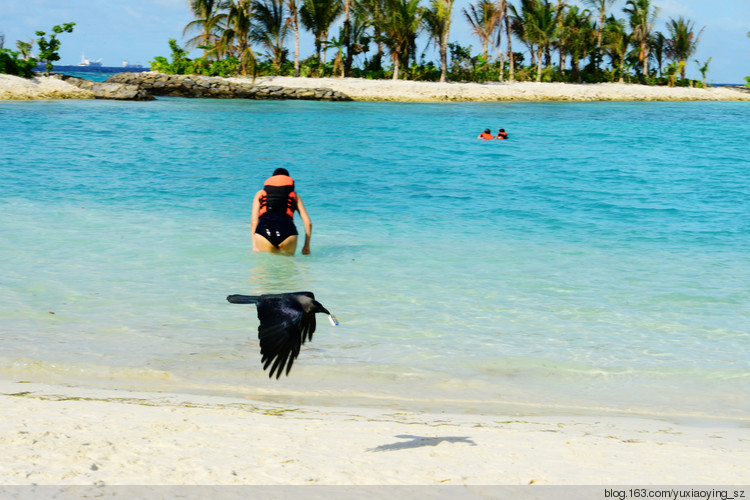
x: 672, y: 8
x: 133, y: 13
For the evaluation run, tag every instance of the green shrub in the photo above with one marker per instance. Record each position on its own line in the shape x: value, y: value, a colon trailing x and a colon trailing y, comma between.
x: 12, y: 64
x: 183, y: 65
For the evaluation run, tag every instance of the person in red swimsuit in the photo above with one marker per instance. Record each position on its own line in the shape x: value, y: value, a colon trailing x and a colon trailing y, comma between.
x: 272, y: 220
x: 486, y: 135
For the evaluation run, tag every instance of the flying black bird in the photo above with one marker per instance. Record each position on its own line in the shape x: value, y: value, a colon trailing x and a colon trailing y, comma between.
x: 287, y: 320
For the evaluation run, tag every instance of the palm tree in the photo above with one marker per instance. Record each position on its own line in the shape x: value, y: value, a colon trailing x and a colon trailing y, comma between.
x: 292, y: 20
x: 577, y: 36
x: 642, y: 17
x: 339, y: 44
x: 540, y: 27
x: 317, y: 16
x: 208, y: 23
x: 484, y: 18
x: 601, y: 7
x: 235, y: 38
x: 25, y: 48
x: 502, y: 14
x: 399, y: 22
x: 365, y: 13
x: 270, y: 28
x: 516, y: 25
x: 348, y: 35
x: 509, y: 35
x: 437, y: 22
x: 658, y: 50
x: 703, y: 70
x: 684, y: 41
x: 617, y: 42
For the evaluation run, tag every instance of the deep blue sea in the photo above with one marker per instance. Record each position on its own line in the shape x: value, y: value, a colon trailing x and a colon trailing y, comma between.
x: 598, y: 261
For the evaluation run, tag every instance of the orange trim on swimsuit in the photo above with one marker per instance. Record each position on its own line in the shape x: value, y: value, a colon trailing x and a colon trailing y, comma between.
x: 283, y: 185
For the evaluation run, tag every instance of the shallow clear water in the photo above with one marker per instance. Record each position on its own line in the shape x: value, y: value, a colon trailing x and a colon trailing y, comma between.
x: 598, y: 260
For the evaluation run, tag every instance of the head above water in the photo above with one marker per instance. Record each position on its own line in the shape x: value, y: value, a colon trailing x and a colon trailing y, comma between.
x: 281, y: 171
x: 502, y: 130
x: 487, y: 131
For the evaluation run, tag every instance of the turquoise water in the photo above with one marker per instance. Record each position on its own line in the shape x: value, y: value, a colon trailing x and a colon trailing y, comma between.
x: 597, y: 261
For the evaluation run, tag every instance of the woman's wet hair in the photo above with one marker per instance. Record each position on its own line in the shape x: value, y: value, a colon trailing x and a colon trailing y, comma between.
x: 281, y: 171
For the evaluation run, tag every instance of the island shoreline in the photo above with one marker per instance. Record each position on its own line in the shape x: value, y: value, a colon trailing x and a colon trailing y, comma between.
x: 356, y: 89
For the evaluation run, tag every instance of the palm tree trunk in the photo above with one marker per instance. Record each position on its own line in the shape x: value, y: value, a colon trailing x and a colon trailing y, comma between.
x: 318, y: 51
x: 539, y: 64
x: 323, y: 53
x: 511, y: 57
x: 395, y: 57
x: 444, y: 57
x: 296, y: 49
x: 501, y: 57
x: 348, y: 34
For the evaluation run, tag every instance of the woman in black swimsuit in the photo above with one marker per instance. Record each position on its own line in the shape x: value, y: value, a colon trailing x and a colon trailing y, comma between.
x: 272, y: 222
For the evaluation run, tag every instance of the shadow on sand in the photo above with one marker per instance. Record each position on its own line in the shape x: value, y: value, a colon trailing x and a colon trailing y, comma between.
x: 419, y: 441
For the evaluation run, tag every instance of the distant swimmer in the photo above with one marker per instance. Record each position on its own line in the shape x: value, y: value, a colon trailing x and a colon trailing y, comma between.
x: 486, y: 135
x: 502, y: 134
x: 272, y: 222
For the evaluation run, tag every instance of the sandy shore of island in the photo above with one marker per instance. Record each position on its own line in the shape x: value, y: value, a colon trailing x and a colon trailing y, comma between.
x: 408, y: 91
x: 54, y: 435
x: 40, y: 87
x: 15, y: 88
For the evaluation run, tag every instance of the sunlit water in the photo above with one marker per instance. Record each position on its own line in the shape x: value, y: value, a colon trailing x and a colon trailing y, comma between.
x: 599, y: 260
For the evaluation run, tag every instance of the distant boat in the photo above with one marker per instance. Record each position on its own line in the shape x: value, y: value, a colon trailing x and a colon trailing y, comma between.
x: 89, y: 62
x: 126, y: 64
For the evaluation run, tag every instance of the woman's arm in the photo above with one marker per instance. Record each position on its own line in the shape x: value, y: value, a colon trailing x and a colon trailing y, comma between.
x: 308, y: 225
x: 254, y: 218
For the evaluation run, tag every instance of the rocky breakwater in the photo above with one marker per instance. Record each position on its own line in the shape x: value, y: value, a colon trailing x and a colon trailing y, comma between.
x: 108, y: 90
x: 223, y: 88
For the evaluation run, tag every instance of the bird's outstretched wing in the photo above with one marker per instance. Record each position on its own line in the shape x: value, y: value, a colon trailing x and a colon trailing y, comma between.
x: 284, y: 327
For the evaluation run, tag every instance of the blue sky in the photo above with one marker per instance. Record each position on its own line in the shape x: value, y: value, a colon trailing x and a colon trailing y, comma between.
x: 137, y: 30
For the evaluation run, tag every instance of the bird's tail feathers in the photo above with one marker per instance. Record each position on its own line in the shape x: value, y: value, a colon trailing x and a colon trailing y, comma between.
x: 243, y: 299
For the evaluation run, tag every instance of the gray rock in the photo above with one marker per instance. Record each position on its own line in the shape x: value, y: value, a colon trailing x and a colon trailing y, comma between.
x: 110, y: 90
x: 206, y: 86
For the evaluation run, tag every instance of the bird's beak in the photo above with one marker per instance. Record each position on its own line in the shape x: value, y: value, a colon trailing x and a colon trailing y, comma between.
x: 334, y: 321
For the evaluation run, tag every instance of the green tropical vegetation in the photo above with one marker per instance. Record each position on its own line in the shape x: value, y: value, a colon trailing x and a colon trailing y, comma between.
x: 48, y: 49
x: 16, y: 63
x: 22, y: 63
x: 559, y: 41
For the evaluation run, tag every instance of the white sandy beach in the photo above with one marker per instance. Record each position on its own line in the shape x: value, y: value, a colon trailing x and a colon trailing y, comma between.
x: 73, y: 436
x: 15, y: 88
x: 401, y: 90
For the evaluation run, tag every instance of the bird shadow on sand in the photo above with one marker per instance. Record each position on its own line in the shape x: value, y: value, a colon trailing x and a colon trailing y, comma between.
x: 419, y: 441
